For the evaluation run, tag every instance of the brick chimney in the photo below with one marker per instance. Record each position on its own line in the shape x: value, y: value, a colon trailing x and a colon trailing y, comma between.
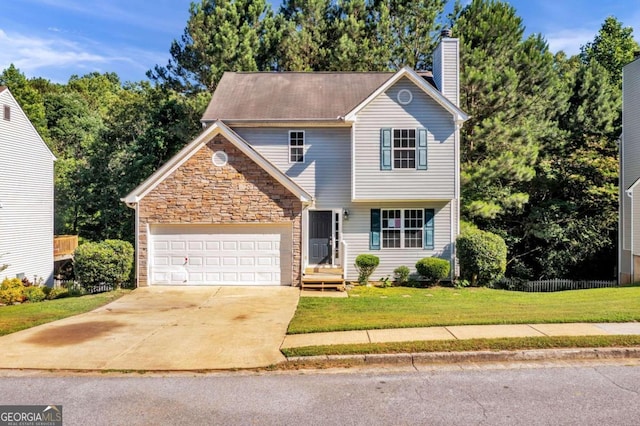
x: 446, y: 66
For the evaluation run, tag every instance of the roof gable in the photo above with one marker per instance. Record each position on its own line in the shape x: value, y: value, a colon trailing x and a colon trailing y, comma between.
x: 459, y: 115
x: 188, y: 151
x: 13, y: 103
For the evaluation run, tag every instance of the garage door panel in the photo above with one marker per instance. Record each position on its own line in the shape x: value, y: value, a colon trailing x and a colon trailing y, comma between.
x: 212, y: 245
x: 196, y: 245
x: 213, y: 255
x: 178, y: 245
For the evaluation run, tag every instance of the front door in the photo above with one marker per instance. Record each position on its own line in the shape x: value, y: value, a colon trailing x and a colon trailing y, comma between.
x: 320, y: 230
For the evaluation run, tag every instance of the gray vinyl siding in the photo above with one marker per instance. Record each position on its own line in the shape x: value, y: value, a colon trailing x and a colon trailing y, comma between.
x: 326, y: 171
x: 630, y: 164
x: 356, y: 234
x: 26, y: 195
x: 438, y: 181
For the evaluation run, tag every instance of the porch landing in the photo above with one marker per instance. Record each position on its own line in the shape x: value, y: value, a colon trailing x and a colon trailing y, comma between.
x: 323, y: 278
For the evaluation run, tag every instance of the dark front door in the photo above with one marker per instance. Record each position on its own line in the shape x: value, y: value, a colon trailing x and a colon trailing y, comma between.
x: 320, y: 230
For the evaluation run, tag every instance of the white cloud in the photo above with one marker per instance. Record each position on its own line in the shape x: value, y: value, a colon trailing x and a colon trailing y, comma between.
x: 570, y: 40
x: 31, y: 53
x: 35, y: 55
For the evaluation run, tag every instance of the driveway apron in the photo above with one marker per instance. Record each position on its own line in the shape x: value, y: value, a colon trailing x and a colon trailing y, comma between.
x: 163, y: 328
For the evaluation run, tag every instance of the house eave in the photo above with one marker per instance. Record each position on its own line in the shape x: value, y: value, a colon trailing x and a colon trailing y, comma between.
x: 311, y: 122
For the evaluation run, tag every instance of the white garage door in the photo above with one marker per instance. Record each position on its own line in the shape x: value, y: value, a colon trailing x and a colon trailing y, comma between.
x: 220, y: 254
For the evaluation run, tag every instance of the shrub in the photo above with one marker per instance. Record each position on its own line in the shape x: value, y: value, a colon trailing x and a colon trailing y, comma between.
x: 11, y: 291
x: 433, y: 269
x: 57, y: 293
x: 482, y: 256
x: 34, y: 293
x: 401, y: 275
x: 108, y: 262
x: 366, y: 264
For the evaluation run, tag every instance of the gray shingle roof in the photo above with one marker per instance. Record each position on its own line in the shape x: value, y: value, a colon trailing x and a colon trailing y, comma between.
x: 291, y: 95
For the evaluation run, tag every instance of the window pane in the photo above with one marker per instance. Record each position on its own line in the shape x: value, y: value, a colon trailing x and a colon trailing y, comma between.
x: 413, y: 238
x: 391, y: 238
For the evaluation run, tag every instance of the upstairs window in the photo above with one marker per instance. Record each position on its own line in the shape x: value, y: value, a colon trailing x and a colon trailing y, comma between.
x: 404, y: 148
x: 296, y: 146
x: 7, y: 112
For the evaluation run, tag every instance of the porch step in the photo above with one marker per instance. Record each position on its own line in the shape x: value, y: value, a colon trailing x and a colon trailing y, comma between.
x: 323, y: 271
x: 323, y: 278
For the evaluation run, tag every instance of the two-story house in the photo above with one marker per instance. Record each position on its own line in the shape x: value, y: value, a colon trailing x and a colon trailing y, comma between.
x: 301, y: 170
x: 629, y: 216
x: 26, y: 196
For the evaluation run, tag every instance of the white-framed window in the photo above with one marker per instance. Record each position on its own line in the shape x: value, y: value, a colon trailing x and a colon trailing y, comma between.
x: 404, y: 148
x: 296, y: 146
x: 402, y: 228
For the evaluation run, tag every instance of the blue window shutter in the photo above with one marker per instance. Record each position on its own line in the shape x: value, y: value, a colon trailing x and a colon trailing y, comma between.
x: 422, y: 149
x: 374, y: 241
x: 385, y: 149
x: 428, y: 228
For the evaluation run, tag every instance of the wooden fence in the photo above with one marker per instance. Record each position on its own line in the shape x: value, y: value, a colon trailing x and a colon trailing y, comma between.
x: 64, y: 246
x: 553, y: 285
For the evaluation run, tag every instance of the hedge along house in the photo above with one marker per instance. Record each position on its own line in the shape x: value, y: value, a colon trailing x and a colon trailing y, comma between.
x: 307, y: 170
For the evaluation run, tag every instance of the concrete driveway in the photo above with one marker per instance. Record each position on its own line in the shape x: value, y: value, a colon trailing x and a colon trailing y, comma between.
x: 163, y: 328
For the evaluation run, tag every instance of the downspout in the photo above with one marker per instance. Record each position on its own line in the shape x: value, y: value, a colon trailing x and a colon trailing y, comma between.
x: 629, y: 193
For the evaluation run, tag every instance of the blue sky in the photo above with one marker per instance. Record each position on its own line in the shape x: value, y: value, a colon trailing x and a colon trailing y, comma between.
x: 55, y: 39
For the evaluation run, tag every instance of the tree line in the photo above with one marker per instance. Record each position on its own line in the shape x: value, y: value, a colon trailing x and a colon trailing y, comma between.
x: 539, y: 155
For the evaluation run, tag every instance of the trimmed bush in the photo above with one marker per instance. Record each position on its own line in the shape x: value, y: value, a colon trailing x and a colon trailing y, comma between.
x: 366, y: 264
x: 401, y: 275
x: 433, y: 269
x: 482, y: 256
x: 106, y: 262
x: 34, y: 293
x: 11, y: 291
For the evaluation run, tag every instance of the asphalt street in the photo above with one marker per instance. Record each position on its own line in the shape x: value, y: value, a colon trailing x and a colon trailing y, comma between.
x: 580, y: 393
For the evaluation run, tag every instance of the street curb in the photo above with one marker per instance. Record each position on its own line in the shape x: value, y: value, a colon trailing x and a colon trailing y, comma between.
x: 474, y: 356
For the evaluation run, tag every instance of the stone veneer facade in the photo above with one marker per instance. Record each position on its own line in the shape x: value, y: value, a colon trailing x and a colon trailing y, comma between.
x: 198, y: 192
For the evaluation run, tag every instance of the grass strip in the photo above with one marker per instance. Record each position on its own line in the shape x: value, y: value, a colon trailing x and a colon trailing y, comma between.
x: 499, y: 344
x: 398, y: 307
x: 19, y: 317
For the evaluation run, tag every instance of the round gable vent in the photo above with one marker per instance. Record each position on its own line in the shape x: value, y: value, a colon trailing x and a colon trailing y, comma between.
x: 220, y: 158
x: 405, y: 97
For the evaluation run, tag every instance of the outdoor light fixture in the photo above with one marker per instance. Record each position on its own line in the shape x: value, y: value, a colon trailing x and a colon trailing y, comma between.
x: 345, y: 214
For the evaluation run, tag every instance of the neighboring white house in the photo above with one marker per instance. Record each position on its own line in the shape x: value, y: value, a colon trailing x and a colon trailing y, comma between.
x: 26, y: 196
x: 299, y: 172
x: 629, y: 218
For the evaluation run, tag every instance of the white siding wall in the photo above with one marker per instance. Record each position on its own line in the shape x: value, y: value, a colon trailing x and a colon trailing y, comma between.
x: 26, y: 195
x: 630, y: 162
x: 438, y: 182
x: 356, y: 233
x: 326, y: 171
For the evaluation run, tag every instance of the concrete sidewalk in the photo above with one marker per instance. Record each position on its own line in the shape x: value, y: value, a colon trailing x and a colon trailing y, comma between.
x: 459, y: 332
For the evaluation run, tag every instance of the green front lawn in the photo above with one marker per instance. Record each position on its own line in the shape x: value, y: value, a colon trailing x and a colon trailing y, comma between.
x: 395, y: 307
x: 18, y: 317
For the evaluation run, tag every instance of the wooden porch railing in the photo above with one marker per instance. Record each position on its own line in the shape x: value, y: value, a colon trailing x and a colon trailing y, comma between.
x: 64, y: 246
